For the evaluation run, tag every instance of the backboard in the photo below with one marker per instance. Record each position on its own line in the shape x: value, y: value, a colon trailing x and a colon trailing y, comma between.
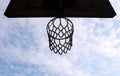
x: 60, y: 8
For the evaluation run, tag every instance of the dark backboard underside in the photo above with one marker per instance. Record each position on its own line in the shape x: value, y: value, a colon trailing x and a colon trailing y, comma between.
x: 60, y: 8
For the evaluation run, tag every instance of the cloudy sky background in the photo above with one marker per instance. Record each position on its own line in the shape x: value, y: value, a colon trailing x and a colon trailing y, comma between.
x: 24, y: 47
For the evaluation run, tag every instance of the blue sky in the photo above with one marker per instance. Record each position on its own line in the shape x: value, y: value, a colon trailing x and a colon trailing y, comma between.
x: 24, y: 47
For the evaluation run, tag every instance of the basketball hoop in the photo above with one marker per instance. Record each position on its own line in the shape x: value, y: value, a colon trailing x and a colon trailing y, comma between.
x: 60, y: 33
x: 60, y: 29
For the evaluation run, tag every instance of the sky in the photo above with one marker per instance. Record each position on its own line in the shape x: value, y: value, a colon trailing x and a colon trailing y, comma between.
x: 24, y: 49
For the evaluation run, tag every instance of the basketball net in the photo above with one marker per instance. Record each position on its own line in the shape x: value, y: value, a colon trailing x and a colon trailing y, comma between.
x: 60, y: 33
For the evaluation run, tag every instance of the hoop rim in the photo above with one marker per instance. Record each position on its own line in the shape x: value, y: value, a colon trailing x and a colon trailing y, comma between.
x: 53, y: 20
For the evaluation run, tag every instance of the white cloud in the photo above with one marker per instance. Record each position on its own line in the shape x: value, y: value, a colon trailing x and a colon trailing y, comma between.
x: 3, y: 5
x: 11, y: 53
x: 84, y: 43
x: 116, y: 6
